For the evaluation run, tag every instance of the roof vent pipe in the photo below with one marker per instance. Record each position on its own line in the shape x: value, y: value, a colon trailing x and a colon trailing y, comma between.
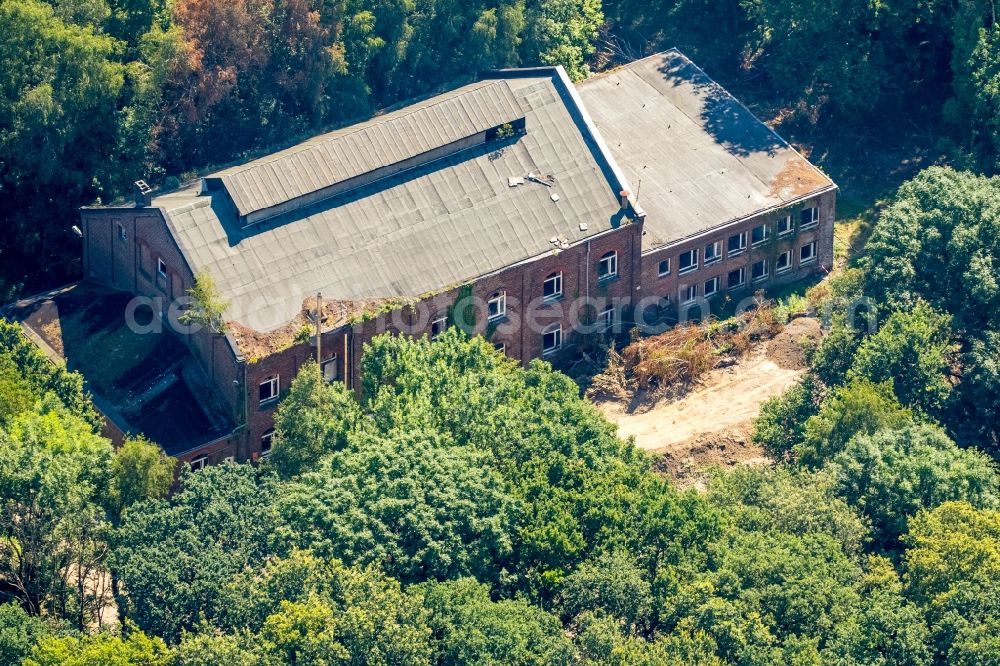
x: 624, y: 194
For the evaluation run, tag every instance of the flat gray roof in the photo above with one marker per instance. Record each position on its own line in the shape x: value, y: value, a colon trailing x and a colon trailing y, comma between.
x: 702, y: 158
x: 417, y: 231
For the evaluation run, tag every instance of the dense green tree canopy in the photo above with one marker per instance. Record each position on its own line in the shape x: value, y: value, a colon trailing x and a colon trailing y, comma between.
x: 472, y: 629
x: 313, y: 419
x: 19, y: 632
x: 54, y: 472
x: 893, y: 474
x: 174, y: 556
x: 858, y: 408
x: 913, y: 351
x: 469, y: 511
x: 781, y: 422
x: 103, y: 649
x: 58, y: 129
x: 951, y: 567
x: 418, y: 504
x: 305, y: 609
x: 938, y: 239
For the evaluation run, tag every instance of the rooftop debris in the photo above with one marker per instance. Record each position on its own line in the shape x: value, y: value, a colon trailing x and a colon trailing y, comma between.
x: 542, y: 179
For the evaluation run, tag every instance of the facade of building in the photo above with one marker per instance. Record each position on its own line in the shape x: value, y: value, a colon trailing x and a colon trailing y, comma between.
x: 553, y: 209
x: 730, y: 207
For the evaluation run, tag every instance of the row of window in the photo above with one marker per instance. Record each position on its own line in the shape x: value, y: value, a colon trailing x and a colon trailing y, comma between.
x: 552, y: 337
x: 736, y: 244
x: 552, y: 289
x: 270, y: 388
x: 759, y: 271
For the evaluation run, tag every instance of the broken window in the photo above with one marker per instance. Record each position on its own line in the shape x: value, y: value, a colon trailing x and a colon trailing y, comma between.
x: 607, y: 267
x: 783, y: 262
x: 759, y: 234
x: 664, y: 267
x: 807, y: 253
x: 737, y: 244
x: 551, y: 339
x: 199, y: 463
x: 688, y: 262
x: 266, y: 442
x: 496, y: 307
x: 269, y: 389
x: 329, y: 368
x: 713, y: 252
x: 689, y: 294
x: 737, y: 278
x: 785, y: 226
x: 438, y: 326
x: 810, y: 218
x: 758, y: 271
x: 712, y: 287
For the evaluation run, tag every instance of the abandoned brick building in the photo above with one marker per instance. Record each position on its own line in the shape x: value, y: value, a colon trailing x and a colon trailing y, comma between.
x: 648, y: 182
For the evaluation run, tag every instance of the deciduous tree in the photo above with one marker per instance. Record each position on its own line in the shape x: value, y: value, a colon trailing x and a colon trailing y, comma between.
x: 891, y: 475
x: 174, y: 556
x: 314, y: 419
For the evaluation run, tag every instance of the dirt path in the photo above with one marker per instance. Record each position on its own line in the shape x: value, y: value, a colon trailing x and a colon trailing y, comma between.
x: 711, y: 424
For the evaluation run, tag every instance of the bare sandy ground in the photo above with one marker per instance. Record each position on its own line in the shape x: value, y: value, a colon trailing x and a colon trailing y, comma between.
x: 711, y: 423
x: 727, y: 397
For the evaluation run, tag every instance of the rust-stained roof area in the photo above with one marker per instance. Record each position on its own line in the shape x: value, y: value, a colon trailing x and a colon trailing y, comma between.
x: 697, y: 157
x: 796, y: 179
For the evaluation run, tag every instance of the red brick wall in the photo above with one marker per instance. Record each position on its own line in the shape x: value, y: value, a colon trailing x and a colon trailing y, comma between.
x: 523, y: 285
x: 114, y: 262
x: 670, y: 285
x: 131, y: 265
